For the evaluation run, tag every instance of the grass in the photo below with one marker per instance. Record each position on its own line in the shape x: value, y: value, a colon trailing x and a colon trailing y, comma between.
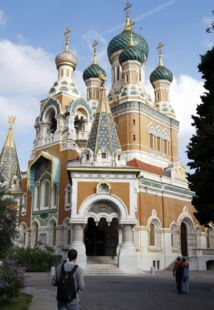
x: 17, y: 303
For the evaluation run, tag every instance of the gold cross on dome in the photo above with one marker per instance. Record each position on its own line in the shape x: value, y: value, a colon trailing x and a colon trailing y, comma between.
x: 127, y: 8
x: 159, y: 47
x: 131, y: 24
x: 67, y: 32
x: 94, y: 46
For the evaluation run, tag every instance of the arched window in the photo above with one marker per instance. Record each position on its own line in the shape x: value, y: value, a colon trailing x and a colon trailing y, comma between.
x: 24, y: 204
x: 152, y: 234
x: 45, y: 195
x: 155, y: 234
x: 68, y: 197
x: 118, y: 73
x: 36, y: 198
x: 166, y: 147
x: 54, y: 196
x: 152, y: 144
x: 54, y: 234
x: 159, y: 144
x: 174, y: 242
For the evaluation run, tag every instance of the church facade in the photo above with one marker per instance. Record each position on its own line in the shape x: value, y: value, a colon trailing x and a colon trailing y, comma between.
x: 104, y: 176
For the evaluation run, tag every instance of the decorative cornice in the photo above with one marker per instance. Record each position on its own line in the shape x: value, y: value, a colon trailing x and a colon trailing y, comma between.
x: 142, y: 106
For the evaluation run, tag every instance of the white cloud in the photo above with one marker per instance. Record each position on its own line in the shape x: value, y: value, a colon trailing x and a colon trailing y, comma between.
x: 185, y: 95
x: 3, y: 20
x: 25, y: 70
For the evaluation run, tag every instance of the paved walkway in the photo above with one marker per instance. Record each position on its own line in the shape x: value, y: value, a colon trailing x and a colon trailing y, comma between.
x: 133, y: 293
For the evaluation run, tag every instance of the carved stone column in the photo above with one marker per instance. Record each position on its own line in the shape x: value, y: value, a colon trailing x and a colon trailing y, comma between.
x: 78, y: 244
x: 128, y: 260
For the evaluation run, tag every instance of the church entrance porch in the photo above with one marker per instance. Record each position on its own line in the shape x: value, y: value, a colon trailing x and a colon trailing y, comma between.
x: 101, y: 239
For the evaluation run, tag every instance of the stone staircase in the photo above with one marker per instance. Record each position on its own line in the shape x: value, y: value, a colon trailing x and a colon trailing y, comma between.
x: 105, y: 266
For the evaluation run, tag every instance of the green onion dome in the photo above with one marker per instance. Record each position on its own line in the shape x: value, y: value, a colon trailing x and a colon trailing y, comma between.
x: 92, y: 72
x: 122, y: 40
x: 131, y: 53
x: 161, y: 73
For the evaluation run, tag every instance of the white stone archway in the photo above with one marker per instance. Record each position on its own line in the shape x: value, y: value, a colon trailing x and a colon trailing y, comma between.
x: 128, y: 259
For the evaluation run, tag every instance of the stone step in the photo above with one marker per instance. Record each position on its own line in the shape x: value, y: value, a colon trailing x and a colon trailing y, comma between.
x: 101, y: 260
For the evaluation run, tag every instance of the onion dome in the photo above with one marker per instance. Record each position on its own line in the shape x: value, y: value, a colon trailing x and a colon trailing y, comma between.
x: 121, y: 41
x: 131, y: 52
x: 161, y: 72
x: 66, y: 57
x: 94, y: 70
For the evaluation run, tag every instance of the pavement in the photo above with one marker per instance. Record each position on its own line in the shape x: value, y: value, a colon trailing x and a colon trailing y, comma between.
x: 129, y: 292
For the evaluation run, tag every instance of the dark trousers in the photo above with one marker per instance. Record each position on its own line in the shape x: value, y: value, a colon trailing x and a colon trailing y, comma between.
x: 178, y: 278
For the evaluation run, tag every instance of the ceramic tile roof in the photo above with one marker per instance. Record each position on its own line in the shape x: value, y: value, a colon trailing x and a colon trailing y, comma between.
x: 103, y: 132
x: 9, y: 165
x: 146, y: 167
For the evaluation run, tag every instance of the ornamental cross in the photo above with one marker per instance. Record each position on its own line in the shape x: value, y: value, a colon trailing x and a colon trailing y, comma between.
x: 127, y: 8
x: 94, y: 46
x: 131, y: 24
x: 67, y: 32
x: 159, y: 47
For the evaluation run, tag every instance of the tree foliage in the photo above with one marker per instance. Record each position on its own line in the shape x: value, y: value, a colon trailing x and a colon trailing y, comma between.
x: 37, y: 259
x: 211, y: 28
x: 8, y: 229
x: 200, y: 150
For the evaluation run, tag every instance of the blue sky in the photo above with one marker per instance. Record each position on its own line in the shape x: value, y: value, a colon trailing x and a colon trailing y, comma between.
x: 31, y: 36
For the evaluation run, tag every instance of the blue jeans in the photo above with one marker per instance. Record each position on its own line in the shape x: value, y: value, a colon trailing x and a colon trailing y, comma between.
x: 185, y: 284
x: 67, y: 307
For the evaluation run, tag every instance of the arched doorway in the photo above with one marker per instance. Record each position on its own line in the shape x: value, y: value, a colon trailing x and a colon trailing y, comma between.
x: 101, y: 239
x: 184, y: 251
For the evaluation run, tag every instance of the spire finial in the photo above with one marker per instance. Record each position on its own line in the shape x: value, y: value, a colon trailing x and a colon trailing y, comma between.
x: 95, y: 50
x: 67, y: 41
x: 160, y: 53
x: 127, y: 26
x: 131, y: 31
x: 102, y: 77
x: 11, y: 120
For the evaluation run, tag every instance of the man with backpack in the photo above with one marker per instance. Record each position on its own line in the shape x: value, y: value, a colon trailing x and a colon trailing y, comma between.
x: 178, y: 271
x: 69, y: 279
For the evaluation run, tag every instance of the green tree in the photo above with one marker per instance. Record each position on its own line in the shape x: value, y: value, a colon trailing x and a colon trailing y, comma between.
x: 200, y: 150
x: 8, y: 229
x: 211, y: 28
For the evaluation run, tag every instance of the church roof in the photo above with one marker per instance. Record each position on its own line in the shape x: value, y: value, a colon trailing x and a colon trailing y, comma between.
x: 9, y: 165
x: 146, y: 167
x: 103, y: 132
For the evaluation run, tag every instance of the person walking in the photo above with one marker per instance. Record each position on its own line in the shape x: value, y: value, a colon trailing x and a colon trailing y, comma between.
x: 185, y: 277
x: 178, y: 272
x: 69, y: 279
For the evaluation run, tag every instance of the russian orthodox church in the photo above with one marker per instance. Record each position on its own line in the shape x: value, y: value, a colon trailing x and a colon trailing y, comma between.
x: 104, y: 176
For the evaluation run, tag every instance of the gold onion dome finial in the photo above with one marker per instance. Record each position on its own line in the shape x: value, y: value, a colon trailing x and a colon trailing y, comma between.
x: 66, y: 57
x: 95, y: 51
x: 160, y: 54
x: 127, y: 26
x: 11, y: 120
x: 131, y: 33
x: 102, y: 77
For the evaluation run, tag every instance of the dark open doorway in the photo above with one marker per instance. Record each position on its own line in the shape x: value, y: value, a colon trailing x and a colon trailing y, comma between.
x: 184, y: 251
x: 101, y: 239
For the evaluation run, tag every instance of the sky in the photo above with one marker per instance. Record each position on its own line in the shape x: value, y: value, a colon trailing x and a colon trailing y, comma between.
x: 31, y: 36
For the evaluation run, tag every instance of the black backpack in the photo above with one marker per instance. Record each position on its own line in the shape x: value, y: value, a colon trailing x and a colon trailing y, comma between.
x: 66, y: 287
x: 180, y: 270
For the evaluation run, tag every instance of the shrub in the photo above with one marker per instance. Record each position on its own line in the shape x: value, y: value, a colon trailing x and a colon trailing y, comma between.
x: 12, y: 278
x: 40, y: 258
